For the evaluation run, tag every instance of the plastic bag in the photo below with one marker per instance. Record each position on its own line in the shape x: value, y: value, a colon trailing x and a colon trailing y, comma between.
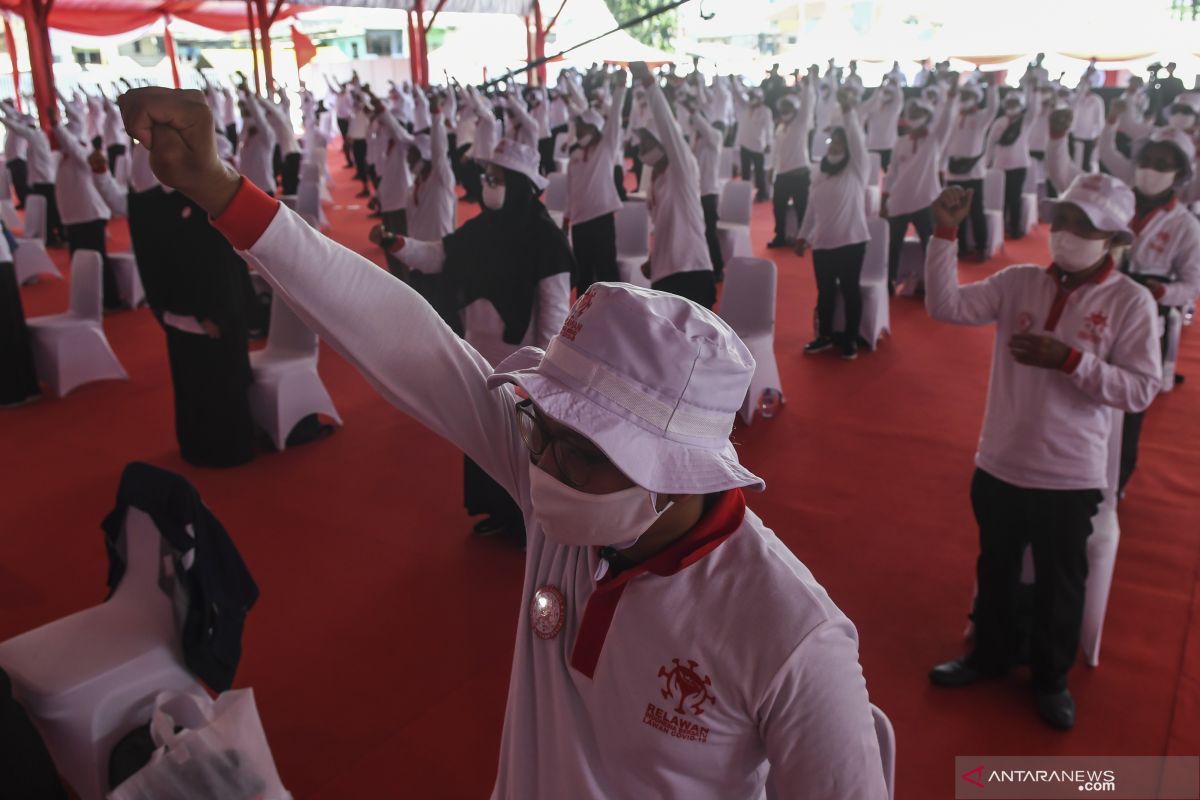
x: 207, y: 750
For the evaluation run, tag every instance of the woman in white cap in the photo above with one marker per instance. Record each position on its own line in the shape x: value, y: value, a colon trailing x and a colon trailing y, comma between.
x: 1072, y: 341
x: 592, y: 200
x: 669, y: 645
x: 1165, y: 254
x: 835, y: 227
x: 679, y: 261
x: 508, y: 272
x: 971, y: 114
x: 1008, y: 151
x: 912, y: 181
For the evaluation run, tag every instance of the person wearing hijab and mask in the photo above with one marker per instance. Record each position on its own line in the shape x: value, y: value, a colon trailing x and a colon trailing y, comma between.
x: 912, y: 182
x: 1008, y: 151
x: 964, y: 151
x: 508, y: 272
x: 793, y: 170
x: 615, y: 442
x: 835, y: 227
x: 592, y: 200
x: 1073, y: 341
x: 679, y: 261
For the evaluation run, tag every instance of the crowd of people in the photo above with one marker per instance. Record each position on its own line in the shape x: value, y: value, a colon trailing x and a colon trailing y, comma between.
x: 595, y: 415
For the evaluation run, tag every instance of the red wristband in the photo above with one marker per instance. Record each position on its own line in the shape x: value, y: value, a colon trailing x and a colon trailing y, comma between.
x: 1073, y: 359
x: 247, y: 217
x: 949, y: 234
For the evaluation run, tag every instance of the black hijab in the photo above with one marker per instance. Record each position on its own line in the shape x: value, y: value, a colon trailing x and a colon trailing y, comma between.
x: 501, y: 256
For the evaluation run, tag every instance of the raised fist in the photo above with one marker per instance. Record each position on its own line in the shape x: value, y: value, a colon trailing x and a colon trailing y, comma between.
x: 176, y: 126
x: 1060, y: 122
x: 952, y: 206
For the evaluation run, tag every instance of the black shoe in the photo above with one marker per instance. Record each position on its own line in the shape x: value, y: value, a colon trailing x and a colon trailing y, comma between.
x: 776, y: 243
x: 363, y: 193
x: 956, y: 673
x: 818, y: 345
x: 761, y: 198
x: 1057, y: 709
x: 850, y: 350
x: 488, y: 527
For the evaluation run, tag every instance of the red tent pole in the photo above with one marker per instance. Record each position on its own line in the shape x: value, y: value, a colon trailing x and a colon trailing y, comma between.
x: 253, y: 44
x: 412, y: 49
x: 41, y: 63
x: 264, y: 27
x: 528, y: 40
x: 422, y: 50
x: 11, y: 43
x: 539, y: 42
x: 169, y: 42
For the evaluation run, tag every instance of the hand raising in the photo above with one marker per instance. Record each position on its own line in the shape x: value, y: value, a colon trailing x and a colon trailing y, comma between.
x: 952, y: 206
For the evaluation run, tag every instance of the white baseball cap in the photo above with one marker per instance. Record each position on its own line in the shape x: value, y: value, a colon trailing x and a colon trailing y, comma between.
x: 1108, y: 202
x: 511, y: 154
x: 653, y: 380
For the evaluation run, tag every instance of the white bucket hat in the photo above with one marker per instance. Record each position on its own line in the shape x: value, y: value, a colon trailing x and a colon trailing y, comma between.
x: 1107, y: 201
x: 651, y: 379
x: 522, y: 158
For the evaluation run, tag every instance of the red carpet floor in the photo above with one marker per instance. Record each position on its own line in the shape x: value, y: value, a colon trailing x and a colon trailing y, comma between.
x: 380, y: 650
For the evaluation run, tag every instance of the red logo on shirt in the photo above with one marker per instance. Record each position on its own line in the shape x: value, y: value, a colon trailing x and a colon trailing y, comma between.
x: 1024, y: 322
x: 688, y: 683
x: 573, y: 326
x: 1159, y: 243
x: 1093, y: 327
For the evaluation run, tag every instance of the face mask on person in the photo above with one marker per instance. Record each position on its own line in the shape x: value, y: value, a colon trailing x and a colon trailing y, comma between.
x: 571, y: 517
x: 493, y: 197
x: 1012, y: 111
x: 1073, y: 253
x: 652, y: 156
x: 1151, y: 182
x: 1182, y: 122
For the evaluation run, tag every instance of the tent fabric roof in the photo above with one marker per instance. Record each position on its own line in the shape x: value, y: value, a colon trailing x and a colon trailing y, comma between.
x: 517, y: 7
x: 111, y: 17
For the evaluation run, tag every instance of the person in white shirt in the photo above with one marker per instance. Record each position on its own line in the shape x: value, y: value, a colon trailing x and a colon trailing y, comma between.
x: 853, y: 80
x: 679, y: 260
x: 793, y: 169
x: 924, y: 75
x: 42, y: 167
x: 115, y: 141
x: 638, y: 531
x: 1072, y: 342
x: 1091, y: 76
x: 965, y: 150
x: 592, y: 200
x: 881, y: 113
x: 1035, y: 74
x: 84, y: 212
x: 360, y: 123
x: 896, y: 75
x: 278, y: 117
x: 1008, y: 151
x: 343, y: 108
x: 912, y: 181
x: 15, y: 148
x: 394, y: 178
x: 707, y: 140
x: 257, y: 146
x: 835, y: 227
x: 640, y: 116
x: 1089, y: 115
x: 754, y: 134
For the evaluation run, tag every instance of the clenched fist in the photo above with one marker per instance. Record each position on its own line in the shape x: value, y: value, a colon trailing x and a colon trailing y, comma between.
x: 1060, y: 122
x: 952, y: 206
x: 177, y: 127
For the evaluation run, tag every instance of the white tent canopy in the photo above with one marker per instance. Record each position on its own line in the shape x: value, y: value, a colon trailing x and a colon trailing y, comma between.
x: 517, y: 7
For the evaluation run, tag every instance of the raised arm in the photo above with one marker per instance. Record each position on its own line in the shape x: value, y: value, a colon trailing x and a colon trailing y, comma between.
x: 669, y: 133
x: 1060, y: 169
x: 1113, y: 159
x: 610, y: 139
x: 439, y: 146
x: 978, y: 303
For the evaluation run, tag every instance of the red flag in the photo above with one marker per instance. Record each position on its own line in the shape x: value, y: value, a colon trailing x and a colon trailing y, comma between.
x: 305, y: 49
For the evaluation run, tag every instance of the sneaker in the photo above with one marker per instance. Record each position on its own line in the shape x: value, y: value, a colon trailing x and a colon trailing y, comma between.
x: 817, y: 345
x: 776, y: 243
x: 850, y: 350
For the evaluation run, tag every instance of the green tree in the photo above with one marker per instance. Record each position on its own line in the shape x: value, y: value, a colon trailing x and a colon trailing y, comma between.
x: 657, y: 32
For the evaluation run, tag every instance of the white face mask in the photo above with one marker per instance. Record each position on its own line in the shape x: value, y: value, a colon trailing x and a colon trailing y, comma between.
x: 571, y: 517
x: 1151, y: 182
x: 1015, y: 111
x: 1182, y: 122
x: 652, y: 156
x: 1074, y: 253
x: 493, y: 197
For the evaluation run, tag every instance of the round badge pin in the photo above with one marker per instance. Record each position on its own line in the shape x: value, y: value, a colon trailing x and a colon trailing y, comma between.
x: 547, y: 612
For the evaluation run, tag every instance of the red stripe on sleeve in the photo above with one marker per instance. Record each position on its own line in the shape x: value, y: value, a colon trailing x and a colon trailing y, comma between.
x: 247, y: 217
x: 1073, y: 359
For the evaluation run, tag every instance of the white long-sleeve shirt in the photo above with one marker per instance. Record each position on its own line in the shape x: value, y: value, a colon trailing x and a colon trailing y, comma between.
x: 74, y: 186
x: 967, y: 133
x: 590, y: 189
x: 14, y: 146
x: 791, y: 138
x: 586, y: 717
x: 257, y: 148
x: 912, y: 182
x: 432, y: 204
x: 882, y: 115
x: 1015, y: 155
x: 837, y: 204
x: 1046, y: 428
x: 394, y: 178
x: 674, y: 200
x: 39, y: 158
x: 281, y: 125
x: 1088, y: 109
x: 755, y: 126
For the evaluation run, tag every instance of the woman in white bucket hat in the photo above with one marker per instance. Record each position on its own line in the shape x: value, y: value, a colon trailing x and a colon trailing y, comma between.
x: 669, y: 645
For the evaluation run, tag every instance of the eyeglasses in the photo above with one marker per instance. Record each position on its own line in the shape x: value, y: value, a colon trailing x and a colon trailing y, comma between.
x: 575, y: 466
x: 492, y: 180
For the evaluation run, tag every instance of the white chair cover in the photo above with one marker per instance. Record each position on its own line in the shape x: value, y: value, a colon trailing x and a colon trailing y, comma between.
x: 733, y: 214
x: 748, y: 306
x: 876, y: 308
x: 31, y: 258
x: 887, y: 748
x: 633, y: 242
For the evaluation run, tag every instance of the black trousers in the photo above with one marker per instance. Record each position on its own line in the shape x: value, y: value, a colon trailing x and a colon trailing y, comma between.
x: 395, y: 222
x: 359, y: 148
x: 343, y: 124
x: 18, y: 378
x: 277, y: 164
x: 976, y: 220
x: 19, y: 170
x: 470, y: 175
x: 635, y: 157
x: 619, y: 182
x: 791, y: 188
x: 709, y: 202
x: 290, y: 174
x: 922, y: 220
x: 115, y: 151
x: 885, y: 158
x: 595, y: 246
x: 231, y: 135
x: 90, y: 235
x: 210, y: 378
x: 699, y: 286
x: 839, y: 269
x: 1014, y: 187
x: 54, y: 226
x: 546, y: 155
x: 1089, y: 148
x: 753, y: 160
x: 1056, y: 524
